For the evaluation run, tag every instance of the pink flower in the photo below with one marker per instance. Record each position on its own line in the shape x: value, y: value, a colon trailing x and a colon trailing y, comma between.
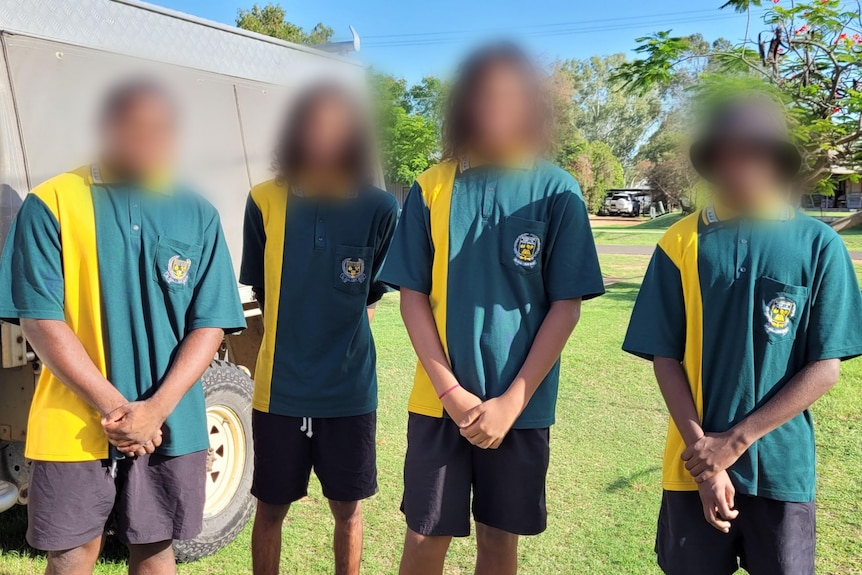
x: 836, y: 110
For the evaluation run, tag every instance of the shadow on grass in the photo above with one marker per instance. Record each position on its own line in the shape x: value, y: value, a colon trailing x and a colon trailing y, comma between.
x: 13, y: 531
x: 623, y: 291
x: 627, y: 482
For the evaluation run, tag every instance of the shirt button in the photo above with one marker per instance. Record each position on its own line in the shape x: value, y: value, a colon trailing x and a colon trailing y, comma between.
x: 136, y: 227
x: 743, y: 241
x: 134, y: 205
x: 320, y: 221
x: 742, y: 270
x: 320, y: 239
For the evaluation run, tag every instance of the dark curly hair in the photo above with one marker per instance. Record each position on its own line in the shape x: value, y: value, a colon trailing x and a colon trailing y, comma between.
x: 357, y: 159
x: 458, y: 125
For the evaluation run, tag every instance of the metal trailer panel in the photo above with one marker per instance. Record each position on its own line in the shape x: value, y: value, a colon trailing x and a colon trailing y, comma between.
x: 147, y: 31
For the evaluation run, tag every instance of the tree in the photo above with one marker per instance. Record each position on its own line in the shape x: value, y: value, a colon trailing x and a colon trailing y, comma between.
x: 271, y: 21
x: 603, y: 112
x: 410, y: 139
x: 810, y: 58
x: 597, y: 170
x: 428, y: 99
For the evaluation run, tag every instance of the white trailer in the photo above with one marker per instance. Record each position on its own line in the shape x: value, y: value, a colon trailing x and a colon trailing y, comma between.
x: 57, y: 59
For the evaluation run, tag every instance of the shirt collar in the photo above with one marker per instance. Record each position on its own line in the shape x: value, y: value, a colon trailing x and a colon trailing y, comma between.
x: 99, y: 175
x: 718, y: 212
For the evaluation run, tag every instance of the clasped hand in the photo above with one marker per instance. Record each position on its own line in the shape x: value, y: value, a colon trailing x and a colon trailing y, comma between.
x: 134, y: 428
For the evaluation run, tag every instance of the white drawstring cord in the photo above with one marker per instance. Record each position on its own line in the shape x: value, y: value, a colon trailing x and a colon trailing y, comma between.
x: 306, y: 427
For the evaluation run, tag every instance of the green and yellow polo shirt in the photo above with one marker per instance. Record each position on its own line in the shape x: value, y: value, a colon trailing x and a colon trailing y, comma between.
x: 493, y: 248
x: 745, y: 304
x: 132, y: 271
x: 317, y: 260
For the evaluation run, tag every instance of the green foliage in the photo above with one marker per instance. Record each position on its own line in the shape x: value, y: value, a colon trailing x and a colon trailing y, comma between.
x: 599, y: 109
x: 597, y: 170
x: 271, y: 20
x: 409, y: 121
x: 810, y: 58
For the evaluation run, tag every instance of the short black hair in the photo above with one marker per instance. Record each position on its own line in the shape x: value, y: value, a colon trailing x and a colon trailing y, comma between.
x: 357, y: 159
x: 122, y: 96
x: 458, y: 125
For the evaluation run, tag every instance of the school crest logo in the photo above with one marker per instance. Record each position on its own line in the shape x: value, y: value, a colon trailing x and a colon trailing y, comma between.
x: 527, y: 248
x: 178, y: 270
x: 353, y: 270
x: 779, y: 315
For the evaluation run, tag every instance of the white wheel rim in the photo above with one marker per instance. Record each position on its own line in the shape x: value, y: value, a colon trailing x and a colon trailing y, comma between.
x: 226, y: 461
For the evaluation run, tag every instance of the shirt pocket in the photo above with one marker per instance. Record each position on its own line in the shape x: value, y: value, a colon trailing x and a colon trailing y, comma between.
x: 352, y: 269
x: 521, y: 244
x: 780, y: 308
x: 176, y: 264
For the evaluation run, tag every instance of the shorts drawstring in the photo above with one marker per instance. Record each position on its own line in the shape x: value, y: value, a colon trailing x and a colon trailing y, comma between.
x: 113, y: 469
x: 306, y: 427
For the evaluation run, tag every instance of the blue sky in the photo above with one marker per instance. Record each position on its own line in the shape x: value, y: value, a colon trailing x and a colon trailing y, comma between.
x: 414, y: 39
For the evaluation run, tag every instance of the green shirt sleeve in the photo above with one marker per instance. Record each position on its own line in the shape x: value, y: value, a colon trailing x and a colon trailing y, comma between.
x: 31, y: 267
x: 216, y: 299
x: 410, y: 259
x: 253, y: 243
x: 385, y: 233
x: 657, y: 325
x: 835, y: 322
x: 571, y: 266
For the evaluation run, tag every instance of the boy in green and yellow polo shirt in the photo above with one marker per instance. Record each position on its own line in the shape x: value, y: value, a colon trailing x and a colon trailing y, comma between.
x: 315, y: 240
x: 493, y: 255
x: 124, y: 287
x: 746, y: 310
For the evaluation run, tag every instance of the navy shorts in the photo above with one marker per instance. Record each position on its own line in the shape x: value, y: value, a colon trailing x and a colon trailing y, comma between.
x: 768, y: 538
x: 342, y: 451
x: 152, y: 498
x: 442, y: 470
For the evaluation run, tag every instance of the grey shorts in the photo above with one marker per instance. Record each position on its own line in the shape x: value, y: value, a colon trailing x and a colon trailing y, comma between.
x: 153, y: 498
x: 442, y: 470
x: 768, y: 538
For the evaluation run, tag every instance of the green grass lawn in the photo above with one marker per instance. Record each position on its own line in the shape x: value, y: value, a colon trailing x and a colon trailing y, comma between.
x: 604, y: 482
x: 649, y: 232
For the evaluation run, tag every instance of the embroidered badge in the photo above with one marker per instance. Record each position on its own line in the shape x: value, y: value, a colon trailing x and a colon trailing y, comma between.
x: 178, y: 270
x: 353, y: 271
x: 527, y: 248
x: 779, y: 315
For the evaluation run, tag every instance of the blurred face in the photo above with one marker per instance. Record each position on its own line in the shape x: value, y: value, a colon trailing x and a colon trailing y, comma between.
x: 746, y: 176
x: 141, y: 139
x: 502, y: 111
x: 327, y: 133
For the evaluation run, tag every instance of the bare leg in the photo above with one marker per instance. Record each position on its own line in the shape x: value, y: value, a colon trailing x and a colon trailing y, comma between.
x: 152, y: 559
x: 423, y: 555
x: 266, y: 538
x: 78, y: 561
x: 498, y: 551
x: 348, y: 536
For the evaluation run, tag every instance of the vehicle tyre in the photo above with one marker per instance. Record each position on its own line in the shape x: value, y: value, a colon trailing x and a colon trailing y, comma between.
x: 229, y: 504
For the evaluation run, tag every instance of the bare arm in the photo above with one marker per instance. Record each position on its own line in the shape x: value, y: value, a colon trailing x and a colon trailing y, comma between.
x: 131, y: 423
x: 370, y: 309
x: 717, y: 452
x: 60, y: 349
x: 419, y: 321
x: 677, y: 396
x: 487, y: 425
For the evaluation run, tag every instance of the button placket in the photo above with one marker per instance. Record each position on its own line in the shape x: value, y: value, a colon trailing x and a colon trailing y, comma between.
x: 742, y: 249
x: 319, y: 229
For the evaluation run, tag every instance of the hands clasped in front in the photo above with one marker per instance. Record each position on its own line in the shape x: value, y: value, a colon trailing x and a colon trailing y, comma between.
x: 484, y: 424
x: 134, y: 428
x: 708, y: 460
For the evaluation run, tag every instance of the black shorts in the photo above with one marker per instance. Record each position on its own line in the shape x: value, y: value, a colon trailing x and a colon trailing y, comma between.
x: 152, y: 498
x: 341, y: 450
x: 768, y: 538
x: 442, y: 469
